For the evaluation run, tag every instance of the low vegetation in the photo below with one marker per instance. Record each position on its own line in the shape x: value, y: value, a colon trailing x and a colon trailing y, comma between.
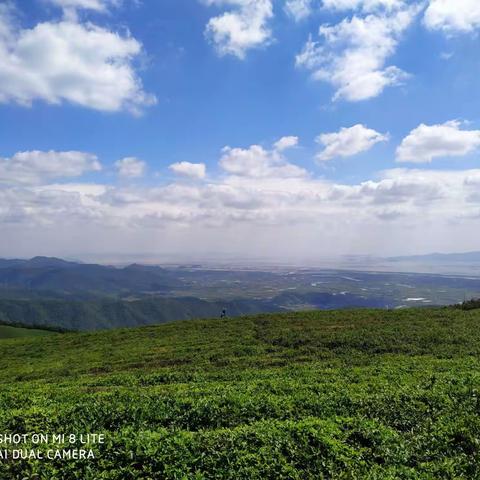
x: 108, y: 313
x: 76, y: 315
x: 9, y: 331
x: 472, y: 304
x: 353, y: 394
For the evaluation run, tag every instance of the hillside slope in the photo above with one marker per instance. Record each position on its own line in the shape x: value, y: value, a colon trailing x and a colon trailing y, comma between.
x: 9, y: 331
x: 363, y: 394
x: 108, y: 313
x: 104, y: 314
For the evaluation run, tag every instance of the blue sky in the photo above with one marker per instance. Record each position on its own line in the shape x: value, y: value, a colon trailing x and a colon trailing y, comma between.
x: 141, y: 117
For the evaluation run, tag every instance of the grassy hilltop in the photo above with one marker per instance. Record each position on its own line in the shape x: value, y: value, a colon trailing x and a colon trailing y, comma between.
x: 355, y: 394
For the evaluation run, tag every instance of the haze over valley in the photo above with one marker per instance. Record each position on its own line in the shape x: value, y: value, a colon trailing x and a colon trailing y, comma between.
x: 52, y: 292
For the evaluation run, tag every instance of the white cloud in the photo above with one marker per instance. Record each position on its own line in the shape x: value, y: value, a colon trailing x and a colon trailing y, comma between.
x: 131, y: 167
x: 286, y: 210
x: 65, y: 61
x: 403, y: 186
x: 187, y: 169
x: 285, y: 143
x: 97, y: 5
x: 245, y: 27
x: 453, y: 16
x: 348, y: 142
x: 353, y: 53
x: 365, y: 5
x: 446, y: 55
x: 290, y: 214
x: 34, y: 167
x: 299, y: 9
x: 427, y: 142
x: 256, y: 162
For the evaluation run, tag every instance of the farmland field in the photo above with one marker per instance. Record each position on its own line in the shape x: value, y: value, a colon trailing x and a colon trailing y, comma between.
x: 352, y: 394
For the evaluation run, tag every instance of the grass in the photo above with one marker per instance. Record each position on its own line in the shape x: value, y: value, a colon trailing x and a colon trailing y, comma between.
x: 356, y: 394
x: 7, y: 331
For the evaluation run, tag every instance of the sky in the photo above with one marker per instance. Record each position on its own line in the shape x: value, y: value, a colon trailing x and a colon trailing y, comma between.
x: 279, y: 129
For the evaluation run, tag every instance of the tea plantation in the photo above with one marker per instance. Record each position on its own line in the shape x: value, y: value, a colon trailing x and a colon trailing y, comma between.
x: 356, y: 394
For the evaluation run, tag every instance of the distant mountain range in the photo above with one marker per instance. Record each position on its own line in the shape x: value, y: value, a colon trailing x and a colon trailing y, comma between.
x: 468, y: 257
x: 37, y: 262
x: 56, y: 293
x: 67, y: 278
x: 51, y: 292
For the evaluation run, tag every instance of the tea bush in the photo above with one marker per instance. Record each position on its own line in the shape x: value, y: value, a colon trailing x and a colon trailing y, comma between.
x: 357, y: 394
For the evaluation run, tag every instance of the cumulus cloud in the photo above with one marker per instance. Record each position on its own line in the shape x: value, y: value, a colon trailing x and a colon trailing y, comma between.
x: 283, y: 208
x: 427, y: 142
x: 187, y: 169
x: 241, y: 29
x: 348, y: 142
x: 130, y: 167
x: 453, y: 16
x: 299, y: 9
x: 97, y: 5
x: 352, y: 54
x: 365, y: 5
x: 402, y: 204
x: 257, y: 162
x: 285, y: 143
x: 34, y: 167
x: 66, y: 61
x: 403, y: 187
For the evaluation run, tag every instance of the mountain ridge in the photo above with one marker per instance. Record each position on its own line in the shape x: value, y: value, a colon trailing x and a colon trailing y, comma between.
x: 473, y: 256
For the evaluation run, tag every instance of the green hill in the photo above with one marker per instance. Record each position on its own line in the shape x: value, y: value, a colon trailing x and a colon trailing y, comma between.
x: 108, y: 313
x: 8, y: 331
x: 356, y: 394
